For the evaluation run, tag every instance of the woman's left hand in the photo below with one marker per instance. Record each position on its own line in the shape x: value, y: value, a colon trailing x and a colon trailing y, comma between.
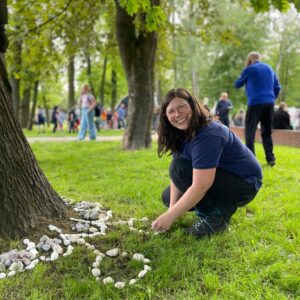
x: 163, y: 222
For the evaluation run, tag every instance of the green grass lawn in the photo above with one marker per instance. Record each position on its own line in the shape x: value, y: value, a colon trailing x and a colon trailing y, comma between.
x: 48, y: 132
x: 258, y: 258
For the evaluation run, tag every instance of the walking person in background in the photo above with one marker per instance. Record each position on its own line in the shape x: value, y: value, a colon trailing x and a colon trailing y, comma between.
x: 222, y: 110
x: 239, y: 119
x: 121, y: 116
x: 72, y: 120
x: 103, y: 118
x: 212, y: 172
x: 77, y: 116
x: 115, y: 119
x: 281, y: 117
x: 98, y: 110
x: 87, y: 103
x: 55, y: 118
x: 262, y: 88
x: 62, y: 116
x: 41, y: 120
x: 109, y: 119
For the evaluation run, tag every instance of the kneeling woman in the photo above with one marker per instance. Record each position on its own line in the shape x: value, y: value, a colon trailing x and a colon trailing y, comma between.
x: 212, y: 172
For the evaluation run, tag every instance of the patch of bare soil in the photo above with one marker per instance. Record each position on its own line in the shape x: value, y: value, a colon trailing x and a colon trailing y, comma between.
x: 39, y: 229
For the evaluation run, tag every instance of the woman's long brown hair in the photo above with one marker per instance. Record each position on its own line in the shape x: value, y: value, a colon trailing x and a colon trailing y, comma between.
x: 171, y: 138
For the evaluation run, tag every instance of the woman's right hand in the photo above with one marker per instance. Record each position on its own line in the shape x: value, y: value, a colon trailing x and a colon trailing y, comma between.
x: 163, y: 222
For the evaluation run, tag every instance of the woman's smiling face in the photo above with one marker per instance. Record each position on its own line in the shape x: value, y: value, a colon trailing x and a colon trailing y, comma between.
x: 179, y: 113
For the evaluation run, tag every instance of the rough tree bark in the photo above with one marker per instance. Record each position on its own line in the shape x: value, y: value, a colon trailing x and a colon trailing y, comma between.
x: 137, y: 53
x: 71, y: 80
x: 25, y: 193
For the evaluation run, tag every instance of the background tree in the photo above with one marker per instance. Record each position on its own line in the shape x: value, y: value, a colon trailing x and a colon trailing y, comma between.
x: 237, y: 33
x: 78, y: 35
x: 137, y: 40
x: 36, y: 59
x: 283, y: 48
x: 212, y: 39
x: 107, y: 75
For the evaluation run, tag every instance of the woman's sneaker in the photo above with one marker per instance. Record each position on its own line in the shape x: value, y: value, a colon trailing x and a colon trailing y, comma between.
x: 207, y: 226
x: 271, y: 162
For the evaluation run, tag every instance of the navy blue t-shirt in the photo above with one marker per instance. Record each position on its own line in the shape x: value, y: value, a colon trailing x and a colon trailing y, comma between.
x: 215, y: 146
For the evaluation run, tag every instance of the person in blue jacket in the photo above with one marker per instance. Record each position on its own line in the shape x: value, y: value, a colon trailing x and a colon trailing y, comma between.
x: 262, y: 88
x: 212, y: 171
x: 223, y: 107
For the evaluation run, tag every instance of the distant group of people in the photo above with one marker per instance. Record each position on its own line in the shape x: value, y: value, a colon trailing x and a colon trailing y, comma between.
x: 58, y: 118
x: 94, y: 117
x: 89, y: 116
x: 281, y: 116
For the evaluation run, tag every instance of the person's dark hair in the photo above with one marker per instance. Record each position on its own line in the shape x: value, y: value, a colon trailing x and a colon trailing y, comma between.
x: 171, y: 138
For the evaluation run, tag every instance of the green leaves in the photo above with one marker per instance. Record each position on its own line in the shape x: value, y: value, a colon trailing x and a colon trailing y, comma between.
x: 155, y: 18
x: 265, y: 5
x: 259, y: 5
x: 135, y: 6
x: 148, y: 17
x: 297, y: 4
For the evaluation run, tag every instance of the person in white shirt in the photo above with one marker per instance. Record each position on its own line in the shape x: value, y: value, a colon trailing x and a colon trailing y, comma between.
x: 87, y: 104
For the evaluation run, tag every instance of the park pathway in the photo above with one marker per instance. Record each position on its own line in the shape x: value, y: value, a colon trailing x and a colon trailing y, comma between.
x: 74, y: 139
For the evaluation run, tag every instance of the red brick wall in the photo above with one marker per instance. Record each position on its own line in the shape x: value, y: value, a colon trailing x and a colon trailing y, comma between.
x: 280, y: 137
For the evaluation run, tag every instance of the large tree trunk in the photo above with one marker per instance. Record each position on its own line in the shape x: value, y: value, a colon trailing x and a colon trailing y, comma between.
x: 113, y: 89
x: 25, y: 193
x: 137, y: 53
x: 102, y: 83
x: 71, y: 80
x: 25, y: 107
x: 34, y: 102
